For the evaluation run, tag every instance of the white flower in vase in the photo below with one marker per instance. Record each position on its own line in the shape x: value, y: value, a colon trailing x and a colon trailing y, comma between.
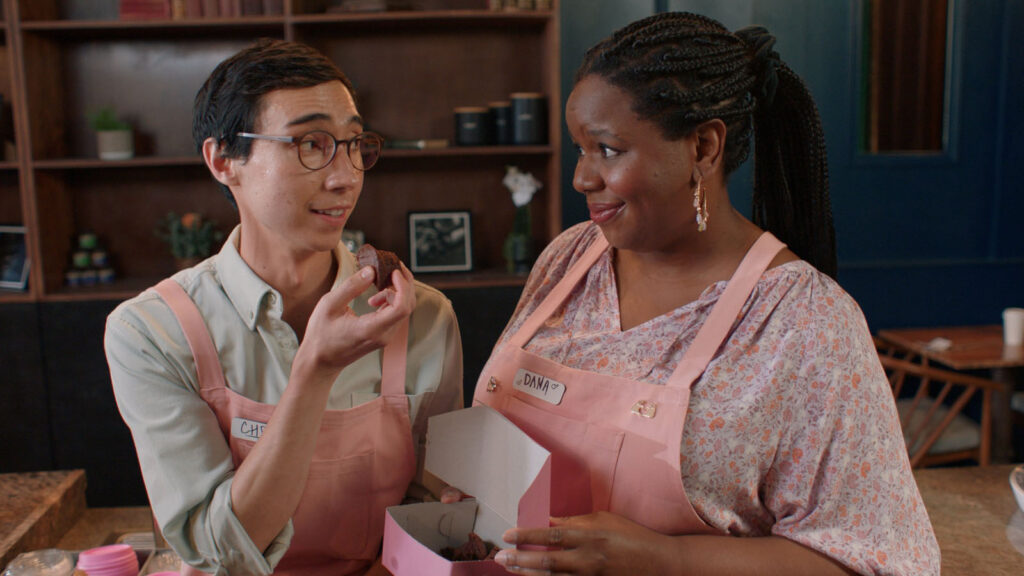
x: 518, y: 247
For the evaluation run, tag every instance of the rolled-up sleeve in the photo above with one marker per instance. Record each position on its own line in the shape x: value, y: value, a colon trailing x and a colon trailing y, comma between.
x: 185, y: 460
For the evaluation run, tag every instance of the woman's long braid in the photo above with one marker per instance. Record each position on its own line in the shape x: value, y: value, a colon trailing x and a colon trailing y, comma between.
x: 684, y: 69
x: 791, y: 174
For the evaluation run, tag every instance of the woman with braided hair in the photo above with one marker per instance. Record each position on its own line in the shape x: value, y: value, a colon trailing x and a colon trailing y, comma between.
x: 711, y: 397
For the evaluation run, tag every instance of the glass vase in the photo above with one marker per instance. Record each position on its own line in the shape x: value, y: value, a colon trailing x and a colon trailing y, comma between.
x: 518, y: 246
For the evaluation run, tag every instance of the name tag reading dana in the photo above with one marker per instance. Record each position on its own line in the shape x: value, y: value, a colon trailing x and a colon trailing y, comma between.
x: 539, y: 386
x: 247, y: 429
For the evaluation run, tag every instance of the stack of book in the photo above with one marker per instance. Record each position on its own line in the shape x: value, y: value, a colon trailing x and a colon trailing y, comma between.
x: 193, y: 9
x: 369, y: 5
x: 145, y: 9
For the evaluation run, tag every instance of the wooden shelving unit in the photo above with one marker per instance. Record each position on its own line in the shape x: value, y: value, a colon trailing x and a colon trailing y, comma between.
x: 65, y: 58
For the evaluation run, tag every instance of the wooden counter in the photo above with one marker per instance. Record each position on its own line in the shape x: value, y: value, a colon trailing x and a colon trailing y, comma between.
x: 977, y: 522
x: 37, y: 508
x: 102, y: 526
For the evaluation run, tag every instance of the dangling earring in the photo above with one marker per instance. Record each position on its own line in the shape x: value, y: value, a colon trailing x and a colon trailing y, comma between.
x: 700, y: 203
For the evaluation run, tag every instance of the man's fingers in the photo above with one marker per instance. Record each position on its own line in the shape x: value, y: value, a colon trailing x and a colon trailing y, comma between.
x: 340, y: 297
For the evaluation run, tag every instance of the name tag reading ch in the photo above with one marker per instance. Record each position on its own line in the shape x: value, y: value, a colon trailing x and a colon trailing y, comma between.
x: 247, y: 429
x: 539, y: 386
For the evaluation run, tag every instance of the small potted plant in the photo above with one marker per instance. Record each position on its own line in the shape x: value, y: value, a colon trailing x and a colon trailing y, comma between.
x: 114, y: 137
x: 190, y: 237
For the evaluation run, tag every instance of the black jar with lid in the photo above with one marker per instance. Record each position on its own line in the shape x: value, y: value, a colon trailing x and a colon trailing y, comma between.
x: 501, y: 120
x: 472, y: 126
x: 529, y: 118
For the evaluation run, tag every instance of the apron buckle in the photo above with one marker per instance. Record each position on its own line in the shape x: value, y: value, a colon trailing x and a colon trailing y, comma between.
x: 645, y: 408
x: 492, y: 384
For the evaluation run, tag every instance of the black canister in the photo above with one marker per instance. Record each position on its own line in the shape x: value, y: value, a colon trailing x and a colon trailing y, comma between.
x: 501, y: 118
x: 472, y: 126
x: 529, y: 118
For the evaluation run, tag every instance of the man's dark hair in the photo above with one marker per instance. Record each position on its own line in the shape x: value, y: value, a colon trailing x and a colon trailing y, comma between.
x: 231, y: 99
x: 684, y: 69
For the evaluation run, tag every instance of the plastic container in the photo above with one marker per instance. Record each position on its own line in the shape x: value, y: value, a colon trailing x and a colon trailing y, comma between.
x: 46, y: 562
x: 1017, y: 484
x: 112, y: 560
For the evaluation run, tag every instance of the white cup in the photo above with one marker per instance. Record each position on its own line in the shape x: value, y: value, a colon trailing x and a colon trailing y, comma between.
x: 1013, y: 326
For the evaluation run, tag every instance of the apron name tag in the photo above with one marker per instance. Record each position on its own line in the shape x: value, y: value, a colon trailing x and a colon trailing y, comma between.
x: 539, y: 386
x: 245, y: 429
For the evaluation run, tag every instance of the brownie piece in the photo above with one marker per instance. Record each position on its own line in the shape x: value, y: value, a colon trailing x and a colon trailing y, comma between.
x: 474, y: 549
x: 383, y: 262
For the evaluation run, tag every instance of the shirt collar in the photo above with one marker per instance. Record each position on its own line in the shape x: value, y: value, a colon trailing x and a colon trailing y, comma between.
x: 247, y: 291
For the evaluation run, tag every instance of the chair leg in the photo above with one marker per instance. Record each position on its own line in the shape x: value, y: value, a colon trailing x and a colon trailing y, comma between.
x: 985, y: 447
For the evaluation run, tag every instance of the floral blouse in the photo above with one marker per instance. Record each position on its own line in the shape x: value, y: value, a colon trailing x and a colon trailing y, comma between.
x: 791, y: 430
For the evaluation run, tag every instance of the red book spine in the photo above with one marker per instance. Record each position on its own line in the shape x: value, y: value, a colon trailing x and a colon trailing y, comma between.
x: 145, y: 9
x: 193, y: 8
x: 252, y: 7
x: 211, y: 8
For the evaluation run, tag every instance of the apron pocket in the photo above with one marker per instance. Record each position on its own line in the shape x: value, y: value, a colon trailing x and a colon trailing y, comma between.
x: 604, y: 445
x: 665, y: 515
x: 334, y: 514
x: 583, y: 456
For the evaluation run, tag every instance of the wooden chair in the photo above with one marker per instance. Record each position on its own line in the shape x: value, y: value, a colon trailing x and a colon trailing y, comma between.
x: 930, y: 402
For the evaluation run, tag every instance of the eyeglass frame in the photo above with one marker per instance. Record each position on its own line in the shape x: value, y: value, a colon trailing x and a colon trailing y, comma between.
x: 337, y: 142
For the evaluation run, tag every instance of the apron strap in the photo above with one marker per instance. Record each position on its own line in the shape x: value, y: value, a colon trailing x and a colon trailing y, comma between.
x: 723, y: 315
x: 204, y: 353
x: 392, y: 360
x: 559, y: 293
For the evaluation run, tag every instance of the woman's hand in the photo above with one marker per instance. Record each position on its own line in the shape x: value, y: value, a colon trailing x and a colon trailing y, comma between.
x: 611, y: 545
x: 598, y: 543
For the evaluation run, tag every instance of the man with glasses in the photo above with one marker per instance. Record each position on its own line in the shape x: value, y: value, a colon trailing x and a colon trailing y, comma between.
x: 278, y: 401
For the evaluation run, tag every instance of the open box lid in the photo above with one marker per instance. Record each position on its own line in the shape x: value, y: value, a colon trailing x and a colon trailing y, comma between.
x: 482, y: 453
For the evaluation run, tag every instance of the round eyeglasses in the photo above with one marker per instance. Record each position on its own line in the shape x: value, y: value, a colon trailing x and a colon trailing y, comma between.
x: 316, y: 149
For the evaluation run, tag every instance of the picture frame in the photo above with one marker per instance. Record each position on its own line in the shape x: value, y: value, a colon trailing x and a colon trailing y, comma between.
x: 14, y: 262
x: 440, y: 241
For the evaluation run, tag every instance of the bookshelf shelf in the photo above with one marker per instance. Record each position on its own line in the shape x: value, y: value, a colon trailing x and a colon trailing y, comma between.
x: 66, y: 57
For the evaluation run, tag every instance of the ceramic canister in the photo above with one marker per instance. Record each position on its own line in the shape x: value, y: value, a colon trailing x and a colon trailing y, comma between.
x: 501, y: 119
x: 472, y: 126
x: 529, y: 118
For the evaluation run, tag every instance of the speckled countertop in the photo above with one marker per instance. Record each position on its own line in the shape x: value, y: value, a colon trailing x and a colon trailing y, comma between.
x: 977, y: 522
x: 37, y: 508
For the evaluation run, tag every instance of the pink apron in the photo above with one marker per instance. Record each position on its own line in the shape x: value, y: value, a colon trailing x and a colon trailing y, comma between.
x: 363, y: 461
x: 615, y: 442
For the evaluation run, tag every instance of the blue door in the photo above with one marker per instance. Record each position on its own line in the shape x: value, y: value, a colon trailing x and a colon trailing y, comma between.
x: 923, y: 239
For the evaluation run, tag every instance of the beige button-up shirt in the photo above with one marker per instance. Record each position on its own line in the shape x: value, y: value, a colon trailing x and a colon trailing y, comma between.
x: 185, y: 460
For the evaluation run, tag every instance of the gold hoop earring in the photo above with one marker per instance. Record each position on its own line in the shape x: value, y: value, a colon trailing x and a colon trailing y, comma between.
x: 700, y: 203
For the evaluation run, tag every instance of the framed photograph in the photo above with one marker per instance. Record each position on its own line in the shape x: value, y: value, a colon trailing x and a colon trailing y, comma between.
x: 440, y: 241
x: 13, y: 258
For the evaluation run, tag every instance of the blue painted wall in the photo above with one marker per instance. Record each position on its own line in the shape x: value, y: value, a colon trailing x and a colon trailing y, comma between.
x: 923, y: 241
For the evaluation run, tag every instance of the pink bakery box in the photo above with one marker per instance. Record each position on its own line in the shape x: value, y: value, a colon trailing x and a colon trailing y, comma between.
x: 482, y: 453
